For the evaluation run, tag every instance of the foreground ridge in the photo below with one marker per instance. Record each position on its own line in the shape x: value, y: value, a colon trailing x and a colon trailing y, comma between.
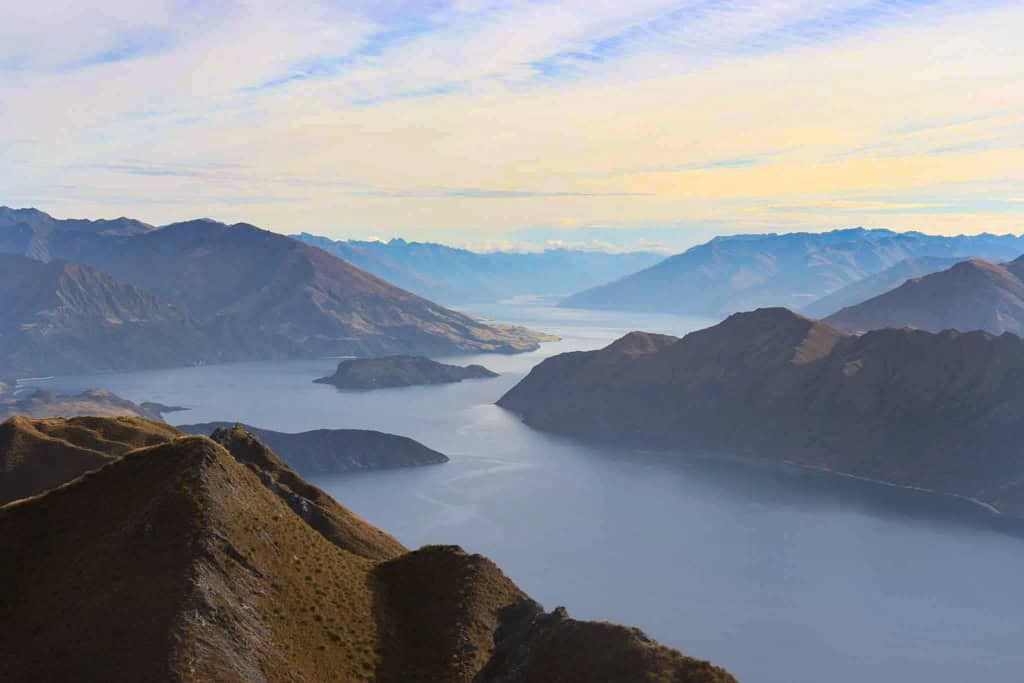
x: 209, y: 559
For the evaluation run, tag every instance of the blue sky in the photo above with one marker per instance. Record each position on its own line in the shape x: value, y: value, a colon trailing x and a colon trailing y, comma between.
x: 517, y: 124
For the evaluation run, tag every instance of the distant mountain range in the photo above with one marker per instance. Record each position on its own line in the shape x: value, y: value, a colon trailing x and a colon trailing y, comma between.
x: 971, y: 295
x: 190, y: 558
x: 459, y: 276
x: 942, y: 412
x: 120, y: 295
x: 743, y: 272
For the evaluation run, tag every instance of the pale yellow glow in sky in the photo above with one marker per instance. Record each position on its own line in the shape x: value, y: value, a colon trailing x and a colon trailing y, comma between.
x: 744, y: 120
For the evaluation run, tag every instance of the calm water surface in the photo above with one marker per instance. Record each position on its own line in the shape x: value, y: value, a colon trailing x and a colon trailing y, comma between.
x: 781, y: 576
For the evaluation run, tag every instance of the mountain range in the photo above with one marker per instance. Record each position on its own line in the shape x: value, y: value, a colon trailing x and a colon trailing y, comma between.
x: 106, y: 298
x: 971, y: 295
x: 743, y: 272
x: 939, y: 411
x: 460, y: 276
x: 191, y: 558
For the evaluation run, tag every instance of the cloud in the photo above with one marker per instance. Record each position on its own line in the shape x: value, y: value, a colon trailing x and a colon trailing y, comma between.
x: 481, y: 119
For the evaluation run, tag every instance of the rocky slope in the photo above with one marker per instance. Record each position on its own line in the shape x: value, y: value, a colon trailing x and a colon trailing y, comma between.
x: 456, y: 276
x: 193, y: 560
x: 62, y: 318
x: 400, y: 371
x: 742, y: 272
x: 336, y: 451
x: 972, y: 295
x: 877, y: 284
x: 937, y: 411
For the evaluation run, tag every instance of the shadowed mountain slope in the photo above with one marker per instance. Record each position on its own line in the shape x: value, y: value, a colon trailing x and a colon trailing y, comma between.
x: 264, y: 295
x: 972, y: 295
x: 184, y: 561
x: 62, y: 317
x: 30, y: 231
x: 937, y: 411
x: 742, y: 272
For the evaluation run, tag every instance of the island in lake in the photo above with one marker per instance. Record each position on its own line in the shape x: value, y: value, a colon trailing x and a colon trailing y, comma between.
x: 389, y: 372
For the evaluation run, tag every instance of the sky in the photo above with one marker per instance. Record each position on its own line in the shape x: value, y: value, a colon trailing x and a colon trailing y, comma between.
x: 518, y: 124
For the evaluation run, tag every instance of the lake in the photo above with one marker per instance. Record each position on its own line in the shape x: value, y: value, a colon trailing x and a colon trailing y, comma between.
x: 780, y: 575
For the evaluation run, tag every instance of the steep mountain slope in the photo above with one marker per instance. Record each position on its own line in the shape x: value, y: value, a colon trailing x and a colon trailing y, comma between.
x: 742, y: 272
x: 334, y: 451
x: 457, y: 276
x: 184, y: 561
x: 972, y: 295
x: 877, y: 284
x: 400, y: 371
x: 263, y: 295
x: 938, y: 411
x: 62, y: 317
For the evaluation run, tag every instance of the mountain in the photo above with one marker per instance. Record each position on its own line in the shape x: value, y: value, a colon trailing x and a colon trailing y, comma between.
x: 189, y: 560
x: 235, y: 293
x: 98, y: 402
x: 459, y: 276
x: 39, y: 454
x: 335, y: 451
x: 30, y: 231
x: 879, y: 283
x: 743, y: 272
x: 62, y: 317
x: 972, y: 295
x: 937, y: 411
x: 400, y: 371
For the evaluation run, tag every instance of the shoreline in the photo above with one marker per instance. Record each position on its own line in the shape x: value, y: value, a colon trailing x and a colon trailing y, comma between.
x: 987, y: 507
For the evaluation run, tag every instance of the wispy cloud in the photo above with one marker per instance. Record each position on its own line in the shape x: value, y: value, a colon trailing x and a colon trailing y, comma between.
x: 365, y: 117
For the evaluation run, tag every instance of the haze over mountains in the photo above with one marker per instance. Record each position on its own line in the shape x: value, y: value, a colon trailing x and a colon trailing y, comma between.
x: 206, y: 559
x: 457, y: 276
x: 743, y: 272
x: 971, y: 295
x: 937, y: 411
x: 203, y: 291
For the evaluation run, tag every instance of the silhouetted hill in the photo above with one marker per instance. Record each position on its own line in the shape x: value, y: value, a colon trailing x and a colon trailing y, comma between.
x: 335, y: 451
x: 62, y: 318
x: 743, y: 272
x: 400, y: 371
x: 879, y: 283
x: 937, y: 411
x: 189, y: 561
x: 972, y: 295
x: 457, y: 276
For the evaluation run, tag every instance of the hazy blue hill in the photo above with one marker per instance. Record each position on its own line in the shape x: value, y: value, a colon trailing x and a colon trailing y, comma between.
x: 879, y: 283
x: 730, y: 274
x: 972, y: 295
x: 456, y: 275
x: 31, y: 231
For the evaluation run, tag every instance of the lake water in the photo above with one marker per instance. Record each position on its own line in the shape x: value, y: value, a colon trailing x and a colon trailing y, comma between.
x: 782, y: 576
